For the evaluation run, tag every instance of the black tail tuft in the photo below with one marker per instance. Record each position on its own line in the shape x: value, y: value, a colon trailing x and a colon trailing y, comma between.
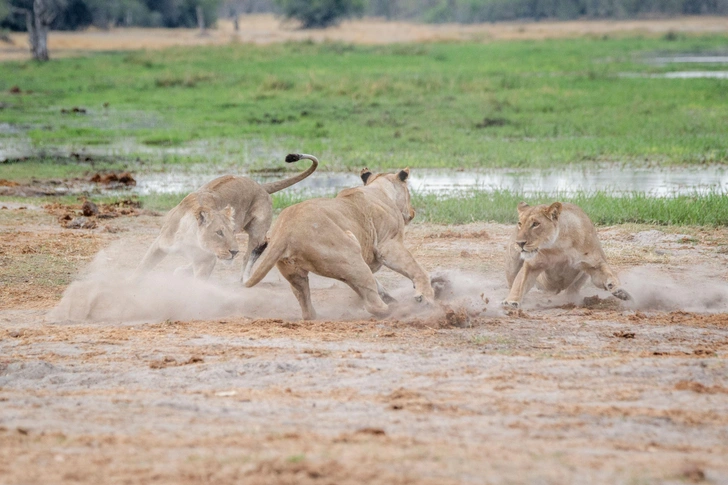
x: 293, y: 157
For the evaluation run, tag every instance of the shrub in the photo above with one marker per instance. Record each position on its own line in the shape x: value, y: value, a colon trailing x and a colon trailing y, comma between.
x: 320, y: 13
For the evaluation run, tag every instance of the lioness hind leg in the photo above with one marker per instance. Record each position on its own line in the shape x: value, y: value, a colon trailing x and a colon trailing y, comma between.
x: 603, y: 277
x: 298, y: 280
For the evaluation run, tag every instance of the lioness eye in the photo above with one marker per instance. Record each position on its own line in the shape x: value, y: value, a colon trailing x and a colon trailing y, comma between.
x: 535, y: 224
x: 219, y: 233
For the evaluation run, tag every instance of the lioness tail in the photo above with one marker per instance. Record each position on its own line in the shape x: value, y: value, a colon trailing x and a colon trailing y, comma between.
x: 270, y: 257
x: 273, y: 187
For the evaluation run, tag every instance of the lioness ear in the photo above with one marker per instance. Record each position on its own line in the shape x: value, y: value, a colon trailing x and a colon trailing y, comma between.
x: 522, y: 206
x: 230, y: 212
x: 553, y: 211
x: 403, y: 174
x: 202, y: 217
x: 365, y: 174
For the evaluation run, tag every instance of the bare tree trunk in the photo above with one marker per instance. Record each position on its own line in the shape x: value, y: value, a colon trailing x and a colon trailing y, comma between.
x: 236, y: 24
x: 30, y: 26
x: 42, y: 22
x: 201, y: 20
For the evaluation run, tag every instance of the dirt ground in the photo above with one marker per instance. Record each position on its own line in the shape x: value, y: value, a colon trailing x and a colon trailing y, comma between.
x: 266, y: 29
x: 563, y: 392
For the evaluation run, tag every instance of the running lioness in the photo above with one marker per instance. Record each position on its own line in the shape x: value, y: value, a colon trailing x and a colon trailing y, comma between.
x: 203, y: 226
x: 347, y: 238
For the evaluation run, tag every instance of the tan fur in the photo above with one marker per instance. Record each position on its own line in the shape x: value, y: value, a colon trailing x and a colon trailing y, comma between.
x: 348, y: 238
x: 557, y: 248
x: 203, y: 226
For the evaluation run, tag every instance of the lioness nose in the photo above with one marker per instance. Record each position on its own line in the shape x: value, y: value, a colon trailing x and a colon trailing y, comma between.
x: 521, y: 243
x: 233, y: 252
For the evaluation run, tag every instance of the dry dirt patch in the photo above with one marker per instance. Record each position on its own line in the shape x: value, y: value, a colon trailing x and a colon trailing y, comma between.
x: 561, y: 392
x: 266, y: 29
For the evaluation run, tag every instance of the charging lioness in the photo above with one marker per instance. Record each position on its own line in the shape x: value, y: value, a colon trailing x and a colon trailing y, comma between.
x: 203, y: 226
x: 347, y: 238
x: 556, y: 247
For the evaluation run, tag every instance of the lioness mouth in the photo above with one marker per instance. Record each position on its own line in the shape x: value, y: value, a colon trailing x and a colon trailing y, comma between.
x: 526, y: 254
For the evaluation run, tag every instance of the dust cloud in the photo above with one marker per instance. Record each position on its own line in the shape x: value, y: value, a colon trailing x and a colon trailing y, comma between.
x: 692, y: 289
x: 106, y: 292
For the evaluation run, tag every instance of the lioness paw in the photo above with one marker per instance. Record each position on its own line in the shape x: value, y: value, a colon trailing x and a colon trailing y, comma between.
x: 510, y: 304
x: 622, y: 295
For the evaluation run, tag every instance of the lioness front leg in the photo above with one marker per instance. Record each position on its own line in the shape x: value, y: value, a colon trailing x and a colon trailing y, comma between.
x: 398, y: 258
x: 203, y: 266
x: 386, y: 297
x: 525, y: 280
x: 256, y: 231
x: 153, y: 256
x: 603, y: 277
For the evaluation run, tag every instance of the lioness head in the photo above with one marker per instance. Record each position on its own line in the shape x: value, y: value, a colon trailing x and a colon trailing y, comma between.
x: 538, y: 227
x: 215, y: 232
x: 395, y: 185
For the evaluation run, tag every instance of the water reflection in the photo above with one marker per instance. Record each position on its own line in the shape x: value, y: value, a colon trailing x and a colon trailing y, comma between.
x: 617, y: 180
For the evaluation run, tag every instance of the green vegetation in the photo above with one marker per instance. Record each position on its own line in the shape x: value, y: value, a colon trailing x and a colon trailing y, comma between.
x: 499, y: 104
x: 603, y: 208
x: 320, y: 13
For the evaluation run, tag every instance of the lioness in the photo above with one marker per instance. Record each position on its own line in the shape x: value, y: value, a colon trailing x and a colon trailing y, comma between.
x: 556, y: 247
x: 203, y: 226
x: 347, y: 238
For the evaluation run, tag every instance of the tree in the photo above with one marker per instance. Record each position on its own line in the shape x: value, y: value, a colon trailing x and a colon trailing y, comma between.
x: 39, y: 15
x: 320, y: 13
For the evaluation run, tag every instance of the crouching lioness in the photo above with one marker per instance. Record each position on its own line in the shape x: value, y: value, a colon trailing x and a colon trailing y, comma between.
x: 203, y: 226
x: 556, y: 247
x: 347, y: 238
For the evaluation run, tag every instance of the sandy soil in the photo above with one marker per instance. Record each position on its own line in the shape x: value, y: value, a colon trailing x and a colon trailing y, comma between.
x: 590, y: 392
x: 266, y: 29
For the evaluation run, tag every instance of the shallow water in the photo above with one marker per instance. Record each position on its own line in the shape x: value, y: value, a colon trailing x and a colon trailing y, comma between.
x: 693, y: 75
x: 678, y: 75
x: 689, y: 59
x: 612, y: 179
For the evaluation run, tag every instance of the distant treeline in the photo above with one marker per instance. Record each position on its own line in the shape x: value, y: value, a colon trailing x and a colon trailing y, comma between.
x: 473, y: 11
x: 79, y: 14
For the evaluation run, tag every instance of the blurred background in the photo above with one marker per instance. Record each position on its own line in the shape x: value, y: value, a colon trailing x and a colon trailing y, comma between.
x: 618, y: 105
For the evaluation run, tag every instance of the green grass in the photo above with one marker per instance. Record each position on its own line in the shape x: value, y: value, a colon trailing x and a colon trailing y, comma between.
x: 603, y: 208
x: 498, y: 104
